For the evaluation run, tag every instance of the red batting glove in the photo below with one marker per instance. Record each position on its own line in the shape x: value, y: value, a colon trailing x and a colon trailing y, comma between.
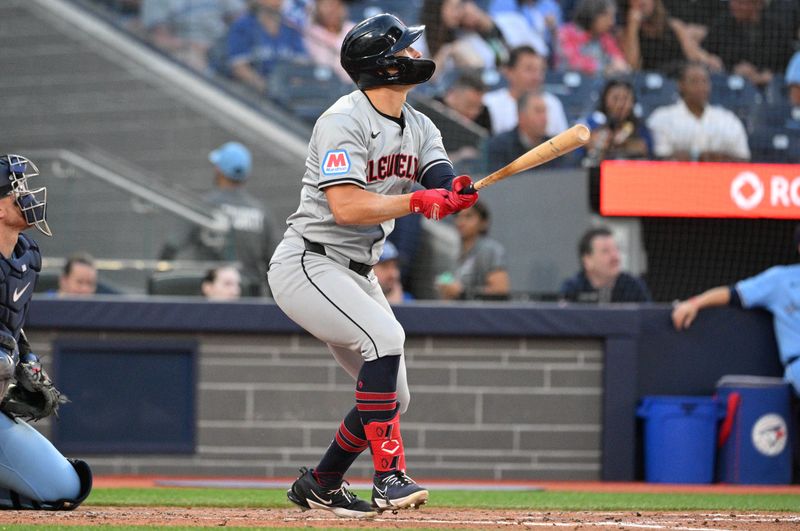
x: 459, y: 200
x: 431, y: 203
x: 437, y: 203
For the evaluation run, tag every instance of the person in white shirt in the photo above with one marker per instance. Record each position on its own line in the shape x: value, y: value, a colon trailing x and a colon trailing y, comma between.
x: 525, y: 73
x: 691, y: 129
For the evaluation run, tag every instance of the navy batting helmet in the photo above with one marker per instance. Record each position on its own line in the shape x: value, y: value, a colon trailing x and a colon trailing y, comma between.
x: 15, y: 170
x: 368, y: 53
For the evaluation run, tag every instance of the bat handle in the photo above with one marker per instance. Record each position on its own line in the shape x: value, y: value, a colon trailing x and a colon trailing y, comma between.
x: 468, y: 190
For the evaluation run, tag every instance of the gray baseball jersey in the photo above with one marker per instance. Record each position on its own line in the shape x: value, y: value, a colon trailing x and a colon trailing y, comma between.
x: 353, y: 142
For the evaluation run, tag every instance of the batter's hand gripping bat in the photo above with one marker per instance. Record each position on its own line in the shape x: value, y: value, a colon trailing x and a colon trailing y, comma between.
x: 561, y: 144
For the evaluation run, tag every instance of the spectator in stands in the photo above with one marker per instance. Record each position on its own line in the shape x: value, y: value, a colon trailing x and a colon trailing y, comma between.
x: 792, y: 80
x: 531, y: 130
x: 251, y: 238
x: 460, y: 36
x: 691, y: 129
x: 542, y: 20
x: 259, y: 40
x: 777, y: 290
x: 753, y: 39
x: 465, y: 96
x: 653, y: 40
x: 222, y: 284
x: 525, y: 72
x: 188, y: 29
x: 616, y: 131
x: 387, y: 271
x: 601, y: 278
x: 79, y: 276
x: 587, y: 44
x: 482, y: 271
x: 323, y: 37
x: 696, y: 14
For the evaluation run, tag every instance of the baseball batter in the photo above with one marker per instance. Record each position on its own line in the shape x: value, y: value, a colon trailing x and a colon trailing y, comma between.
x: 367, y: 153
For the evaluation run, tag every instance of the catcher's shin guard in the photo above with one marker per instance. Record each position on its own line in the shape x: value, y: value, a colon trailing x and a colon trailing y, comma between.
x: 386, y: 445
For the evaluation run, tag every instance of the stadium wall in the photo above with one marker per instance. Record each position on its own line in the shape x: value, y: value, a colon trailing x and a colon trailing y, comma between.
x: 499, y: 391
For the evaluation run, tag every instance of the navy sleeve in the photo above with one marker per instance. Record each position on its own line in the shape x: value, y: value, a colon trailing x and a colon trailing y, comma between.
x: 735, y: 301
x: 438, y: 174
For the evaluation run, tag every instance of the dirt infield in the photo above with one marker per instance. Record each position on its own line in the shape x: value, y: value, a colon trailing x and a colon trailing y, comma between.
x: 424, y: 518
x: 429, y: 517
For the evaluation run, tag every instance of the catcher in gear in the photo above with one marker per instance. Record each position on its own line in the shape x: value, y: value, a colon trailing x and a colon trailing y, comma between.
x: 33, y: 474
x: 372, y: 158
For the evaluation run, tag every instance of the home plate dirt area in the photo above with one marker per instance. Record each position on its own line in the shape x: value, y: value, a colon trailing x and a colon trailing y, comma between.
x: 428, y: 518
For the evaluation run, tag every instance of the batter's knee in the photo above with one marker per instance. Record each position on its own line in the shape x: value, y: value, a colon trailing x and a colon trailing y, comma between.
x: 403, y: 398
x: 386, y: 341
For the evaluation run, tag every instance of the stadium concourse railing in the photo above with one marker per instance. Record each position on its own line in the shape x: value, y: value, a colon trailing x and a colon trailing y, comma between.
x: 642, y: 353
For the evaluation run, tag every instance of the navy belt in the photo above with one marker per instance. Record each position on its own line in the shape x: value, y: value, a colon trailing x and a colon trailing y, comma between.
x: 356, y: 267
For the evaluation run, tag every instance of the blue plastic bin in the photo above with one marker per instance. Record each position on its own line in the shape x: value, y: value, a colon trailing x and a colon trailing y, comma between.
x: 756, y: 438
x: 680, y: 435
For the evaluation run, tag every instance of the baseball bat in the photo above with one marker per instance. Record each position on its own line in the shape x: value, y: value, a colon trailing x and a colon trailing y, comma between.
x: 561, y: 144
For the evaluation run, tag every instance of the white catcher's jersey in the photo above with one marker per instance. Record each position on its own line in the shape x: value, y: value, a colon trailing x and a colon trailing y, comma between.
x: 352, y: 142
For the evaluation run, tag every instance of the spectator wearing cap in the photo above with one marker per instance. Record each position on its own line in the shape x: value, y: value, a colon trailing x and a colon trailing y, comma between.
x: 387, y: 271
x: 792, y: 80
x: 250, y: 241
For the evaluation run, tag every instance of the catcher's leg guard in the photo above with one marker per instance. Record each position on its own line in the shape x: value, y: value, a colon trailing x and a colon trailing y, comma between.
x: 34, y: 475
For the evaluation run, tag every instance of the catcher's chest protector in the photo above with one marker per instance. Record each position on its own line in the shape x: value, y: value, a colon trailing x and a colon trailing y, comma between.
x: 18, y: 276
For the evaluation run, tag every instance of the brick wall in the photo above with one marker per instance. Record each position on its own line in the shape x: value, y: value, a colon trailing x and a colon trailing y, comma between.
x: 500, y: 408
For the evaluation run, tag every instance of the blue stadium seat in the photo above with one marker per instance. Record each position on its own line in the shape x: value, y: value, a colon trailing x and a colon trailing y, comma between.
x: 771, y: 144
x: 578, y: 92
x: 652, y: 90
x: 735, y: 93
x: 779, y: 115
x: 776, y: 91
x: 304, y: 89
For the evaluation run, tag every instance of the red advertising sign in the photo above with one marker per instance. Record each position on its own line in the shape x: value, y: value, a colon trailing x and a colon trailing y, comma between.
x: 699, y: 189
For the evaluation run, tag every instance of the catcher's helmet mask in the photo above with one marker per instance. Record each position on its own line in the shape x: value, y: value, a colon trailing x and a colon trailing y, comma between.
x: 15, y: 170
x: 369, y: 51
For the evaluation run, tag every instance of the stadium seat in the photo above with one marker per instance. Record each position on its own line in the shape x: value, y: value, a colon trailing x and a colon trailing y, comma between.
x: 184, y: 282
x: 779, y: 145
x: 652, y: 90
x: 735, y: 93
x: 779, y: 115
x: 304, y: 89
x: 578, y: 92
x: 776, y: 91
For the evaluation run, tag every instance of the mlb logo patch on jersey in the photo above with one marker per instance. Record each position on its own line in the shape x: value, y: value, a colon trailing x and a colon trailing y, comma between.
x: 336, y: 162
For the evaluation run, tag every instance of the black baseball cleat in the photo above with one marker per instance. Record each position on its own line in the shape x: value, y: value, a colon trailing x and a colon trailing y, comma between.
x: 307, y: 494
x: 395, y: 490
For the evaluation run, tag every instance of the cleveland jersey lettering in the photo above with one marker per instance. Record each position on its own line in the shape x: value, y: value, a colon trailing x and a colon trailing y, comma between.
x: 352, y: 143
x: 396, y: 165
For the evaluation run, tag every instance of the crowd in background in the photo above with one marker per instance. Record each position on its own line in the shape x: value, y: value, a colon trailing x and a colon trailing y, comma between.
x: 701, y: 80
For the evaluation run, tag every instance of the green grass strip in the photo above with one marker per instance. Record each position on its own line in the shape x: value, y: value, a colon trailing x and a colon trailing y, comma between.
x: 534, y: 500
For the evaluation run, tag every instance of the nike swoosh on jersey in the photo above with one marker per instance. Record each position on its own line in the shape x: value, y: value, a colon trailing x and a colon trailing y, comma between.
x: 375, y: 135
x: 18, y: 294
x: 323, y: 500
